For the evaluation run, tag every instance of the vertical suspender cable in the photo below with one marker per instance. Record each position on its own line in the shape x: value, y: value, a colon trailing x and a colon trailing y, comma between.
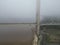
x: 38, y: 20
x: 36, y: 40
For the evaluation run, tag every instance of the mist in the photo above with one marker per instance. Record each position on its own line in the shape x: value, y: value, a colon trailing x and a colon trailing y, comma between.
x: 49, y: 8
x: 24, y: 11
x: 16, y: 11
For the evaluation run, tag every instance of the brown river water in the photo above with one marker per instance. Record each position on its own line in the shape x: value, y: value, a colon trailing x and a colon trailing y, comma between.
x: 16, y: 34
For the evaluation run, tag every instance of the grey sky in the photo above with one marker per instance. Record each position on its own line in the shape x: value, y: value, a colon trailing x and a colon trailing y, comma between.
x: 24, y: 10
x: 18, y: 10
x: 50, y: 7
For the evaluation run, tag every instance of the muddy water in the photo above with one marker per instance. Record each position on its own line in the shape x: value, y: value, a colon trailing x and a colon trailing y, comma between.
x: 16, y: 34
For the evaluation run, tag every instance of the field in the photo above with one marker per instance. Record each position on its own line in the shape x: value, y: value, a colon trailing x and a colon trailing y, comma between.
x: 51, y: 37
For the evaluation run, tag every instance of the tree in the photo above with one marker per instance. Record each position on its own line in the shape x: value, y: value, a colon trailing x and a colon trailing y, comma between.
x: 50, y: 20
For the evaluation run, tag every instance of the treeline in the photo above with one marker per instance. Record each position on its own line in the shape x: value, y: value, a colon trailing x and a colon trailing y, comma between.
x: 50, y: 20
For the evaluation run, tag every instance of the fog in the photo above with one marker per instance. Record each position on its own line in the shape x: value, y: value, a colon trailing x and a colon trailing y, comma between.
x: 24, y: 11
x: 12, y: 11
x: 50, y: 8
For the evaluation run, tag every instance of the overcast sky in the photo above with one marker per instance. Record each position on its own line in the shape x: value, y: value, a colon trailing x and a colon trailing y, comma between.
x: 14, y: 11
x: 50, y: 7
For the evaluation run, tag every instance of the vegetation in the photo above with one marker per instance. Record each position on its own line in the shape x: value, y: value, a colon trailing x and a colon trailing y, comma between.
x: 50, y: 19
